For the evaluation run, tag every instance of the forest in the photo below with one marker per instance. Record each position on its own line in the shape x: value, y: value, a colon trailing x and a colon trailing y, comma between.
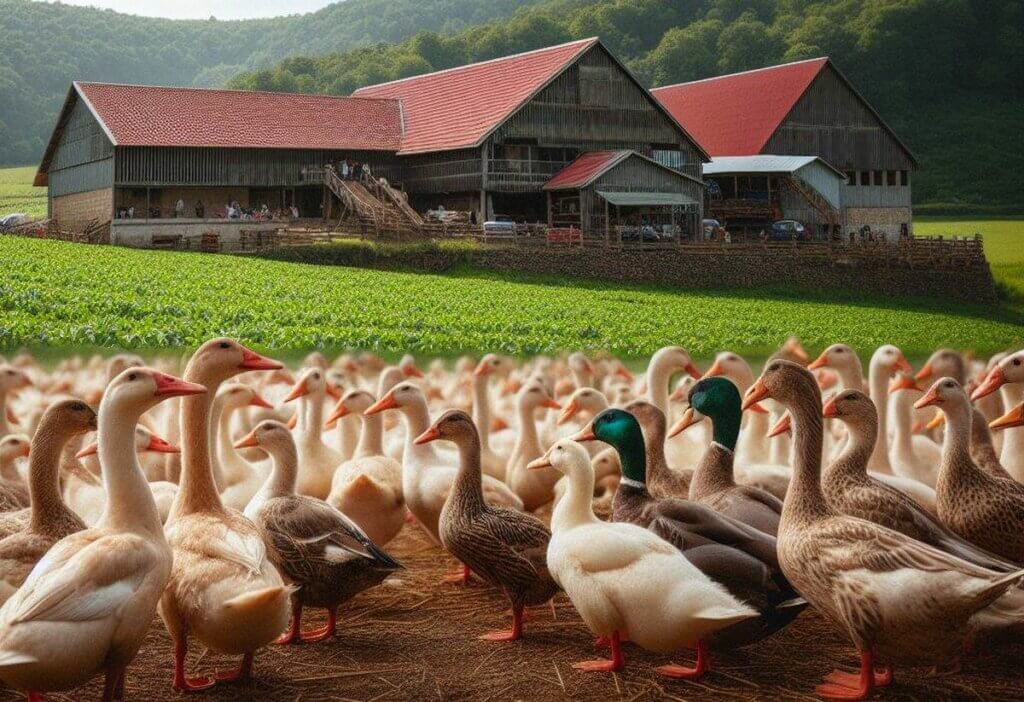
x: 947, y: 74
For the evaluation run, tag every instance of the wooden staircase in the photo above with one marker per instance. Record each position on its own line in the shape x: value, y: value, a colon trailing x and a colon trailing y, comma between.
x: 829, y: 214
x: 378, y: 208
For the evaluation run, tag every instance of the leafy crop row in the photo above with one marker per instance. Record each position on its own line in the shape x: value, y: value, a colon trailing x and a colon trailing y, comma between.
x: 57, y: 294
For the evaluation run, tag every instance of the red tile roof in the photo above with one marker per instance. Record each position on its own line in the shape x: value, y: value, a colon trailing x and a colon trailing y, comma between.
x: 459, y: 107
x: 735, y: 115
x: 137, y: 115
x: 585, y: 169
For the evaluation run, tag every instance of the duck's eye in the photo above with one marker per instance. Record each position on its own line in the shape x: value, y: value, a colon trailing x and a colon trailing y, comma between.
x: 773, y: 367
x: 131, y: 376
x: 78, y: 407
x: 949, y: 385
x: 224, y: 345
x: 1016, y: 361
x: 840, y: 351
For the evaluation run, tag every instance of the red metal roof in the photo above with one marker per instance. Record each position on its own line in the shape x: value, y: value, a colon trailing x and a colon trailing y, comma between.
x: 138, y: 115
x: 584, y: 169
x: 459, y: 107
x: 735, y: 115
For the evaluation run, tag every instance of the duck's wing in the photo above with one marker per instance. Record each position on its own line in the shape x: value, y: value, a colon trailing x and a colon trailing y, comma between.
x: 82, y: 580
x: 686, y: 524
x: 235, y: 541
x: 304, y: 528
x: 514, y: 543
x: 762, y: 496
x: 615, y: 547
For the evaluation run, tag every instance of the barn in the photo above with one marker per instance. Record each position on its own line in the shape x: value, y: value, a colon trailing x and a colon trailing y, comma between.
x: 483, y: 139
x: 805, y: 109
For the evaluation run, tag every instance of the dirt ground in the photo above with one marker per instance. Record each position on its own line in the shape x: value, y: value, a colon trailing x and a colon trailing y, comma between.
x: 416, y: 639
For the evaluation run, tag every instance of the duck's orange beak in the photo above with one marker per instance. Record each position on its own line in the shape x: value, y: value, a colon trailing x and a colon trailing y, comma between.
x: 482, y: 369
x: 385, y: 403
x: 688, y: 419
x: 253, y: 361
x: 930, y: 398
x: 247, y: 441
x: 159, y: 445
x: 10, y: 416
x: 693, y: 370
x: 829, y: 411
x: 300, y: 389
x: 498, y: 424
x: 293, y: 421
x: 992, y: 382
x: 539, y: 463
x: 585, y: 434
x: 88, y: 450
x: 511, y: 387
x: 926, y: 372
x: 1013, y: 418
x: 431, y: 434
x: 902, y: 382
x: 571, y: 408
x: 333, y: 391
x: 411, y: 371
x: 797, y: 349
x: 258, y: 401
x: 820, y: 362
x: 937, y: 421
x: 783, y: 426
x: 340, y: 410
x: 169, y: 386
x: 550, y: 403
x: 826, y: 379
x: 903, y: 365
x: 715, y: 370
x: 24, y: 452
x: 623, y: 372
x: 679, y: 394
x: 757, y: 392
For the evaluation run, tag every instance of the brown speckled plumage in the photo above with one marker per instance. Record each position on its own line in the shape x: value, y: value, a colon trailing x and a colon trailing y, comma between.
x: 662, y: 481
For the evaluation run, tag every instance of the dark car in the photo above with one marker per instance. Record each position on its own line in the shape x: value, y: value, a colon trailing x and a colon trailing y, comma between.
x: 788, y: 230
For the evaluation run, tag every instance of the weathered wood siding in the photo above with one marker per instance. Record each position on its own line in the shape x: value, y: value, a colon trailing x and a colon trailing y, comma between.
x: 442, y: 172
x: 638, y: 175
x: 83, y: 159
x: 166, y: 166
x: 832, y: 122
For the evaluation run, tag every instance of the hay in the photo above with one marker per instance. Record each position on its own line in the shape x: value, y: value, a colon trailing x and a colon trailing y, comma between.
x: 417, y: 640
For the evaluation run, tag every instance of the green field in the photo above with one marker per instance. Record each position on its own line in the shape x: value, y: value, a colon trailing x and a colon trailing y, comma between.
x: 56, y: 294
x: 17, y: 193
x: 1004, y: 246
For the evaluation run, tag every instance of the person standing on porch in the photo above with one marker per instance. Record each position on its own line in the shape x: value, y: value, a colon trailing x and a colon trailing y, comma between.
x: 179, y: 208
x: 344, y: 169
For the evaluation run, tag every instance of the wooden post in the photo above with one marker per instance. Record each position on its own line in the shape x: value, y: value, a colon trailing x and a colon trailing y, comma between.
x: 148, y: 209
x: 607, y: 226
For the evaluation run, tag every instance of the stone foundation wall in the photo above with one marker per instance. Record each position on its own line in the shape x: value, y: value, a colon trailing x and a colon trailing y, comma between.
x: 76, y: 211
x: 886, y: 220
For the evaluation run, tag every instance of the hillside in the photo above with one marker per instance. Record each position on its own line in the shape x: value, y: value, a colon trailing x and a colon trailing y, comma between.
x: 44, y: 46
x: 948, y: 74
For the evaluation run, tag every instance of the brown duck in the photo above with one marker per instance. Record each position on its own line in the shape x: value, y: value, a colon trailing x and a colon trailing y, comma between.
x: 662, y: 481
x: 504, y: 546
x: 48, y: 520
x: 316, y: 547
x: 901, y: 601
x: 987, y: 511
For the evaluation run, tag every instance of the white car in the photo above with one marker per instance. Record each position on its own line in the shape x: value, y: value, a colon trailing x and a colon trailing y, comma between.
x: 501, y: 224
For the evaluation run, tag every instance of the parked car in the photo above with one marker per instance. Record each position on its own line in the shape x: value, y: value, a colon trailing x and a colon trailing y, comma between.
x: 500, y: 224
x: 789, y: 230
x: 712, y: 228
x: 647, y: 232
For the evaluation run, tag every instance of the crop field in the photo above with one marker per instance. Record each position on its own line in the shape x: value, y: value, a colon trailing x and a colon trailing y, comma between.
x: 60, y: 295
x: 17, y: 193
x: 1004, y: 245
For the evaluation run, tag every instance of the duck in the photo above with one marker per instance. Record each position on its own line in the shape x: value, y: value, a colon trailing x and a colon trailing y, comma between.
x: 912, y: 456
x: 368, y: 487
x: 1007, y: 376
x: 792, y: 350
x: 665, y: 363
x: 944, y: 362
x: 323, y: 553
x: 240, y: 479
x: 733, y: 554
x: 493, y: 463
x: 752, y: 445
x: 427, y: 477
x: 851, y: 491
x: 48, y: 519
x: 662, y: 481
x: 627, y: 582
x: 13, y: 492
x: 713, y: 483
x: 12, y: 379
x: 684, y: 450
x: 505, y: 547
x: 534, y: 488
x: 886, y: 361
x: 223, y: 590
x: 317, y: 460
x: 86, y: 607
x: 83, y: 489
x: 985, y: 510
x: 983, y: 450
x: 900, y: 601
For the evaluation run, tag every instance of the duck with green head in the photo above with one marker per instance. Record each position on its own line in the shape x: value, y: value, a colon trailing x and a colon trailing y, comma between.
x: 713, y: 482
x: 739, y: 557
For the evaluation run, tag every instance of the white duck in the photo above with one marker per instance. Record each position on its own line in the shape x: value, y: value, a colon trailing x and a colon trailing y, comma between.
x: 491, y: 462
x: 625, y: 581
x: 1007, y: 376
x: 368, y: 487
x: 534, y: 488
x: 752, y: 447
x: 87, y: 606
x: 317, y: 461
x: 241, y: 478
x: 223, y: 589
x: 11, y: 380
x: 427, y: 476
x: 911, y: 456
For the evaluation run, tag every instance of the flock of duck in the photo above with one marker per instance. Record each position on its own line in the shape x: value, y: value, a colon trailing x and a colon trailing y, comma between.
x: 692, y: 513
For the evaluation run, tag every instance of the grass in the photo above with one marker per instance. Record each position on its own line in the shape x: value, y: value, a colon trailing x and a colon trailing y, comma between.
x: 56, y: 294
x: 1004, y: 246
x: 17, y: 193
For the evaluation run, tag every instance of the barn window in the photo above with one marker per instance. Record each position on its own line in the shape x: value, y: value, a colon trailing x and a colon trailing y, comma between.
x: 904, y: 178
x: 865, y: 177
x: 851, y: 177
x: 876, y: 178
x: 673, y: 158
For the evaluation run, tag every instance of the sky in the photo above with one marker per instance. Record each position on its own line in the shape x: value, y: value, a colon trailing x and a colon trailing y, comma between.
x: 203, y: 9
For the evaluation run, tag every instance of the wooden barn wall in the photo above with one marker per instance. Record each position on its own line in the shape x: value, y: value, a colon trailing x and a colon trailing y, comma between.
x: 832, y: 122
x: 594, y: 105
x: 442, y: 172
x: 83, y: 159
x: 637, y: 175
x: 165, y: 166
